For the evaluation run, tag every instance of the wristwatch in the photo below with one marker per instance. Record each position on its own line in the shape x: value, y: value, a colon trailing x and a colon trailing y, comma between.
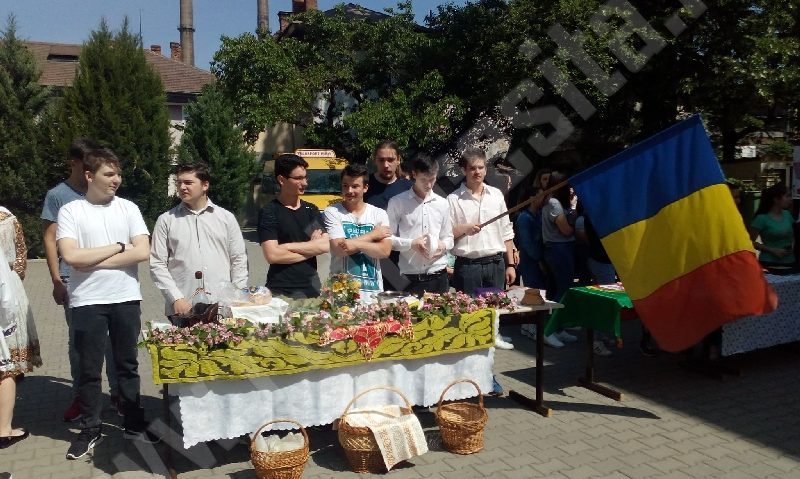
x: 122, y: 245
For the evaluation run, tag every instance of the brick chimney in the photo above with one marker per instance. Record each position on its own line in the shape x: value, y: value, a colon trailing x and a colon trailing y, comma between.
x: 300, y: 6
x: 155, y: 49
x: 262, y: 15
x: 186, y: 29
x: 175, y: 51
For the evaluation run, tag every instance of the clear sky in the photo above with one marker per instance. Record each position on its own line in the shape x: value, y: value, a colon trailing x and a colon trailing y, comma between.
x: 71, y: 21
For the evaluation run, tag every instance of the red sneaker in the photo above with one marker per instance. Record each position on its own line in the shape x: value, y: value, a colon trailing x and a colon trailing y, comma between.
x: 73, y: 412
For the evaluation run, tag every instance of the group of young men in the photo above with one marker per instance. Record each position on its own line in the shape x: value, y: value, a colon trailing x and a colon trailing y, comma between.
x: 389, y: 232
x: 94, y: 241
x: 384, y: 213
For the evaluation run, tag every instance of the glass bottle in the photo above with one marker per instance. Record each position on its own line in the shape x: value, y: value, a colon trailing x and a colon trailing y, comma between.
x: 200, y: 299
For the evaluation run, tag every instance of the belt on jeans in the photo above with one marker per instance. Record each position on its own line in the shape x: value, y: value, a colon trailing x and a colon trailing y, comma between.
x: 425, y: 277
x: 494, y: 258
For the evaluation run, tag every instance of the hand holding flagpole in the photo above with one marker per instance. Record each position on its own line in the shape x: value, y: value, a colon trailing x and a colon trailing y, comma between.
x: 538, y: 196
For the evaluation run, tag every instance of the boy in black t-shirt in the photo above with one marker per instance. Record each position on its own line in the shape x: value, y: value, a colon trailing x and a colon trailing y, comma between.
x: 292, y: 233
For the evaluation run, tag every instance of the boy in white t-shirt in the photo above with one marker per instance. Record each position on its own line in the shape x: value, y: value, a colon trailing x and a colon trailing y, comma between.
x: 359, y: 232
x: 103, y: 238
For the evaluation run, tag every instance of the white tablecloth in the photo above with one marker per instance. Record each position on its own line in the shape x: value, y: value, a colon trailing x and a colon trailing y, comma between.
x: 779, y: 327
x: 228, y: 409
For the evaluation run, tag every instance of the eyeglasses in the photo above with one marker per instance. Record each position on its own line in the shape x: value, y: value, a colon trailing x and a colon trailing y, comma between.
x: 298, y: 178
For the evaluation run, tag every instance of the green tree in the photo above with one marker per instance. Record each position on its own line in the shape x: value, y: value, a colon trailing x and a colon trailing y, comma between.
x: 118, y: 100
x: 339, y: 80
x: 748, y: 52
x: 211, y: 136
x: 23, y: 102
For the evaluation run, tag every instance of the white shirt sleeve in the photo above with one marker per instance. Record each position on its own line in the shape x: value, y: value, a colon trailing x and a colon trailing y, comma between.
x: 66, y: 224
x: 333, y: 223
x: 394, y: 215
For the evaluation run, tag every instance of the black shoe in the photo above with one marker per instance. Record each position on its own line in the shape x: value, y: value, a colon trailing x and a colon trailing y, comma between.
x: 141, y: 436
x: 8, y: 441
x: 84, y: 443
x: 5, y: 475
x: 648, y: 350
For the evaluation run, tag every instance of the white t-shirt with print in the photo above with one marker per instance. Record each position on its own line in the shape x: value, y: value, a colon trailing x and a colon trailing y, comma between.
x: 340, y: 223
x: 100, y: 225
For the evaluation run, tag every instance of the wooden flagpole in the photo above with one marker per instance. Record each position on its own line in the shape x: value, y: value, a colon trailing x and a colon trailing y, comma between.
x: 521, y: 205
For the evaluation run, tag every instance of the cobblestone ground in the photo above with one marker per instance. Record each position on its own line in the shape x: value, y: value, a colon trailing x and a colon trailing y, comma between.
x: 671, y: 423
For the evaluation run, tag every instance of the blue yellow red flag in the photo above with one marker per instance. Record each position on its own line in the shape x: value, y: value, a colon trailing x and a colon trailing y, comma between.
x: 667, y: 219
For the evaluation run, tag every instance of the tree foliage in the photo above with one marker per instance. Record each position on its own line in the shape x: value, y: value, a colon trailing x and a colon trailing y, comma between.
x: 211, y: 136
x: 339, y: 79
x: 23, y: 104
x: 118, y: 100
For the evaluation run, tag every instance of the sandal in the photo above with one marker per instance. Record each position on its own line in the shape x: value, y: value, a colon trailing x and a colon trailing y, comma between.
x: 7, y: 441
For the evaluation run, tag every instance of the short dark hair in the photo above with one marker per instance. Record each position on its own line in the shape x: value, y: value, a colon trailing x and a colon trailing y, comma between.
x: 469, y: 155
x: 81, y: 146
x: 199, y: 169
x: 286, y: 163
x: 423, y: 163
x: 356, y: 170
x: 94, y: 159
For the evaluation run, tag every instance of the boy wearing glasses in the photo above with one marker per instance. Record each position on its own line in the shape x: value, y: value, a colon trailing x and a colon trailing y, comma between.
x: 292, y: 233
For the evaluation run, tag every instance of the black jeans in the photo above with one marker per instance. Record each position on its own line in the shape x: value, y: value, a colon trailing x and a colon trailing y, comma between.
x: 470, y: 275
x: 427, y: 283
x: 120, y: 322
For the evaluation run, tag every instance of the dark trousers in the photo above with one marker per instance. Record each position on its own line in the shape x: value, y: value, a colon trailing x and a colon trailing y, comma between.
x: 468, y: 275
x: 419, y: 284
x: 120, y: 322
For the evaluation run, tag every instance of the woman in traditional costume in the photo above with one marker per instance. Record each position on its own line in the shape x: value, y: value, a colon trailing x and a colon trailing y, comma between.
x: 19, y: 344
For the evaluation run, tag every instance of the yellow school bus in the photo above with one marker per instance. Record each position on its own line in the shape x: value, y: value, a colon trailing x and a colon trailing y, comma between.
x: 324, y: 177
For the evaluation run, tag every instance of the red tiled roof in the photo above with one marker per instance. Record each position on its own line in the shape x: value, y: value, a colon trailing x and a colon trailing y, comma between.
x: 58, y: 62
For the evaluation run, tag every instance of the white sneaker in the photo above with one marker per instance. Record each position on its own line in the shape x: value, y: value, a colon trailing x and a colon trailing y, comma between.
x: 504, y: 338
x: 565, y: 337
x: 500, y: 344
x: 553, y: 341
x: 600, y: 349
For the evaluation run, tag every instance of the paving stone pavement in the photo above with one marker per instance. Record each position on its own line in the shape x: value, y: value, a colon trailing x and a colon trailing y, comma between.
x: 671, y: 423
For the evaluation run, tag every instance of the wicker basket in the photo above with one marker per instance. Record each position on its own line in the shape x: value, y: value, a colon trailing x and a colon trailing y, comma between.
x: 462, y: 423
x: 281, y: 464
x: 359, y: 443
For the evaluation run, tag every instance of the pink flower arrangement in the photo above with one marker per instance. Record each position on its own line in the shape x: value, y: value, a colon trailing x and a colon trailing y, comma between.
x: 204, y: 335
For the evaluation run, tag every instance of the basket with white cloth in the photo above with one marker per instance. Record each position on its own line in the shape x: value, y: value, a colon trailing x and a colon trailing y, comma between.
x: 374, y: 439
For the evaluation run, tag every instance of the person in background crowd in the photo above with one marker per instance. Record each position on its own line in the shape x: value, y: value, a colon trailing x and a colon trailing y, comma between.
x: 359, y: 232
x: 599, y: 266
x: 773, y: 224
x: 292, y: 233
x: 422, y: 231
x: 19, y: 343
x: 388, y: 181
x: 528, y: 238
x: 103, y: 238
x: 73, y: 188
x: 484, y: 255
x: 196, y: 235
x: 558, y: 229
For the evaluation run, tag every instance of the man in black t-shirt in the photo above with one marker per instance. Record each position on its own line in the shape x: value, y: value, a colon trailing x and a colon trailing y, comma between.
x: 385, y: 184
x: 292, y: 233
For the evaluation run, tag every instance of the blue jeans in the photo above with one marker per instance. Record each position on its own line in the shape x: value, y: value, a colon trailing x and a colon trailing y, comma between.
x: 74, y: 370
x: 560, y: 260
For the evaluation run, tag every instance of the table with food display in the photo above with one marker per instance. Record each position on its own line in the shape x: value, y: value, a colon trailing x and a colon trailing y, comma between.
x: 307, y: 359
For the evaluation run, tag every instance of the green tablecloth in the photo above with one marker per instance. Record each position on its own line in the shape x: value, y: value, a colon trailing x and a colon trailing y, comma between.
x: 590, y: 307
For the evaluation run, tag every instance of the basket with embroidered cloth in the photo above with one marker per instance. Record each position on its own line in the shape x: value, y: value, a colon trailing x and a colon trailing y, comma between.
x: 377, y: 438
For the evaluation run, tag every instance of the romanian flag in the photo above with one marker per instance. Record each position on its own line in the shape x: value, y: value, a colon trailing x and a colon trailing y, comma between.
x: 669, y: 224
